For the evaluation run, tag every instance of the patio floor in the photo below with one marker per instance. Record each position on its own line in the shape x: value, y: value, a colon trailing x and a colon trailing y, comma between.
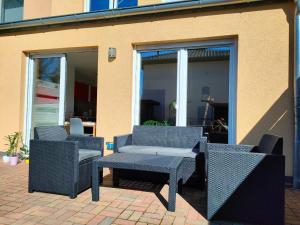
x: 133, y: 203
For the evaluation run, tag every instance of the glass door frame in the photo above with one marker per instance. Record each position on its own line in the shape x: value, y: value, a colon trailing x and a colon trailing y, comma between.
x: 29, y: 84
x: 182, y: 80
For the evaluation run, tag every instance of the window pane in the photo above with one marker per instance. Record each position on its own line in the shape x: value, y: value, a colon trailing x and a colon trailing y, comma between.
x: 158, y: 88
x: 127, y: 3
x: 13, y: 10
x: 208, y: 85
x: 99, y: 5
x: 45, y: 108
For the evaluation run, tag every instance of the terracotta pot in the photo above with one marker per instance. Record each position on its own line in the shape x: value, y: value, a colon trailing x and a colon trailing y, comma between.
x: 13, y: 160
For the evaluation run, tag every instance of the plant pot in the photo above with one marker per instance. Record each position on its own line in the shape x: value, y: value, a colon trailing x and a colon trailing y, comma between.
x: 13, y: 160
x: 27, y: 161
x: 6, y: 159
x: 110, y: 145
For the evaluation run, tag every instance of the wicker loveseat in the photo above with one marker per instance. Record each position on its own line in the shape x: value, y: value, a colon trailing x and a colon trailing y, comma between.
x: 60, y: 163
x: 186, y: 142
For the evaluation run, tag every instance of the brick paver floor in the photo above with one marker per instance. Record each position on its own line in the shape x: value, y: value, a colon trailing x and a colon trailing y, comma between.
x: 133, y: 203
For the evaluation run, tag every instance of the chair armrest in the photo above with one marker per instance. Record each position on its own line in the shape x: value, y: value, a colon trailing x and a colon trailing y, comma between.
x: 229, y: 170
x: 53, y: 160
x: 228, y: 147
x: 201, y: 145
x: 122, y: 140
x: 54, y: 150
x: 88, y: 142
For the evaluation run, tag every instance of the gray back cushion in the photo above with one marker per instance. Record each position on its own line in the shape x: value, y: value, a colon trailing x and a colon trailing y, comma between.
x: 166, y: 136
x: 271, y: 144
x: 50, y: 133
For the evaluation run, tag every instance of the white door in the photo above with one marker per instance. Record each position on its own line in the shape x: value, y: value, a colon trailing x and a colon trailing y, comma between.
x: 45, y: 99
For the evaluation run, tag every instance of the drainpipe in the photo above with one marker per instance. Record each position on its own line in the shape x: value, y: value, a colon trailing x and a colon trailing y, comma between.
x: 296, y: 178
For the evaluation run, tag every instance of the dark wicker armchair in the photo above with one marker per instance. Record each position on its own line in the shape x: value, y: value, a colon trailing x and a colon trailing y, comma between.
x: 246, y: 183
x: 60, y: 163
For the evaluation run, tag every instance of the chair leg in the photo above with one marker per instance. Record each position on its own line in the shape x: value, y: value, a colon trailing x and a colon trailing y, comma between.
x: 30, y: 190
x: 72, y: 196
x: 74, y: 191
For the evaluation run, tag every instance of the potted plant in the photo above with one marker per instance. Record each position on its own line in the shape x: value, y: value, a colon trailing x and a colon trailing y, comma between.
x: 10, y: 143
x: 156, y: 123
x: 24, y: 153
x: 6, y: 156
x: 13, y: 147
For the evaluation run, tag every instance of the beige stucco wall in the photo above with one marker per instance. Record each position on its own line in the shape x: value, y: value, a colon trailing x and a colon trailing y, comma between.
x: 45, y: 8
x: 62, y: 7
x: 37, y: 8
x: 148, y: 2
x: 264, y: 70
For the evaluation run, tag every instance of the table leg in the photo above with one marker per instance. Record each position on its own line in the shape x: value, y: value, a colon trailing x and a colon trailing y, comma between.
x: 179, y: 189
x: 94, y: 130
x: 172, y: 191
x: 115, y: 177
x: 95, y: 182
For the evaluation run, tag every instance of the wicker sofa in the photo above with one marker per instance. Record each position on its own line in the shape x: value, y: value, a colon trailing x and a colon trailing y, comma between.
x: 246, y: 183
x: 186, y: 142
x: 60, y: 163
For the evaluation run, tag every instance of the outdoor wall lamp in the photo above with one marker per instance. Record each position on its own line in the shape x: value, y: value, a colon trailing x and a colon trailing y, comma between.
x: 112, y: 54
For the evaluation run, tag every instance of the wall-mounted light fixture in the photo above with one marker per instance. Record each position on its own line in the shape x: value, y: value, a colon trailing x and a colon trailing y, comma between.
x: 112, y: 54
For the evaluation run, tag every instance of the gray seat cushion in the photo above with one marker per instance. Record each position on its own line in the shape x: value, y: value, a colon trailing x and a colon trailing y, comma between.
x: 87, y: 153
x: 157, y: 150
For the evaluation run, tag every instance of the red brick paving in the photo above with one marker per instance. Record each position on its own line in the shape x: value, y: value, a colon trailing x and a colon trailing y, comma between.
x: 117, y: 205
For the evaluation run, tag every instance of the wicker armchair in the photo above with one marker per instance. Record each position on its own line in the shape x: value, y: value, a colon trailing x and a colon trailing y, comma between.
x: 246, y: 183
x: 60, y: 163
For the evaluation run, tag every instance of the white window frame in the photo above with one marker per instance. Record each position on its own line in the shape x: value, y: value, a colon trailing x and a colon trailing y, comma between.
x: 29, y: 83
x: 181, y: 93
x: 1, y: 11
x: 182, y: 79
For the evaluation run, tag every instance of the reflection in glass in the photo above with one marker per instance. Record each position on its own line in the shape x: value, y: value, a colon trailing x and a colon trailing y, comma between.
x: 158, y: 88
x: 105, y: 4
x: 45, y: 108
x: 127, y: 3
x: 208, y: 86
x: 12, y: 10
x: 99, y: 5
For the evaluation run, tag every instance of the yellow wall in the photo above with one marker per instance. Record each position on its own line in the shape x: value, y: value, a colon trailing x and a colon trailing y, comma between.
x: 264, y: 82
x: 44, y: 8
x: 148, y: 2
x: 37, y: 8
x: 61, y: 7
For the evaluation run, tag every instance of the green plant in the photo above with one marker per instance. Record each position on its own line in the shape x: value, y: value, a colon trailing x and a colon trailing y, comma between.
x: 24, y: 152
x: 13, y: 143
x: 156, y: 123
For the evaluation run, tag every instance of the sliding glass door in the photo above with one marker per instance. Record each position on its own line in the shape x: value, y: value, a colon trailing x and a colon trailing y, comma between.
x: 187, y: 86
x: 45, y: 92
x: 158, y: 90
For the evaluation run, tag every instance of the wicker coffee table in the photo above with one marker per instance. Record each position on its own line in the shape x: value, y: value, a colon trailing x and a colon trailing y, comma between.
x: 155, y: 163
